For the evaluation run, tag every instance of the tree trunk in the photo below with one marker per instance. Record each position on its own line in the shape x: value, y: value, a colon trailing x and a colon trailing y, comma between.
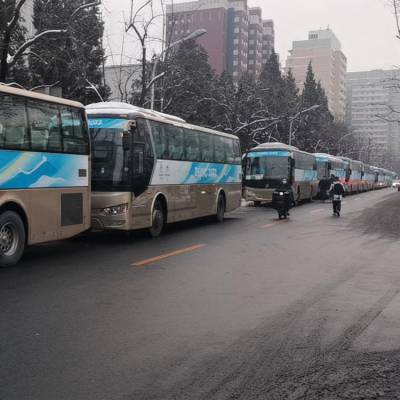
x: 144, y: 83
x: 4, y: 56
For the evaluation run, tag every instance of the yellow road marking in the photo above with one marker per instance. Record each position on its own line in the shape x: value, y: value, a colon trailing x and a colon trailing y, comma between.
x: 273, y: 224
x: 167, y: 255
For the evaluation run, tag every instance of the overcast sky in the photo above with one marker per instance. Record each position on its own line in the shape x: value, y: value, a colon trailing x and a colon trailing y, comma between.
x: 366, y: 28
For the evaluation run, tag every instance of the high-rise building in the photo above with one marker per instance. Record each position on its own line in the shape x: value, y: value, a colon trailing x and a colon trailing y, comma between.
x: 371, y: 97
x: 255, y: 41
x: 323, y: 51
x: 237, y: 39
x: 268, y: 41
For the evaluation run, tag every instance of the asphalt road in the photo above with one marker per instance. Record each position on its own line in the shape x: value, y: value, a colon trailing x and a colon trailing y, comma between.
x: 249, y: 309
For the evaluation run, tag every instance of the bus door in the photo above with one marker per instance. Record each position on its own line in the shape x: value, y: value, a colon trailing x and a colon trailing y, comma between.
x: 142, y: 157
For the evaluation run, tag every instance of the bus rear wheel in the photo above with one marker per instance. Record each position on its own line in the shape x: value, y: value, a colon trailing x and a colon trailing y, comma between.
x: 220, y: 216
x: 12, y: 238
x: 157, y: 220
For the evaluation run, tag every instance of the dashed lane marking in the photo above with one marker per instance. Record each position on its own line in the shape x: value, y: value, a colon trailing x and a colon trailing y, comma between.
x: 161, y: 257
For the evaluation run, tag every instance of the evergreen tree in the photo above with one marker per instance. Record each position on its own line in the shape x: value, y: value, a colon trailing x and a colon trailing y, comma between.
x: 11, y: 38
x: 310, y: 95
x: 189, y: 84
x: 224, y: 104
x: 272, y: 85
x: 315, y: 129
x: 71, y: 59
x: 292, y: 91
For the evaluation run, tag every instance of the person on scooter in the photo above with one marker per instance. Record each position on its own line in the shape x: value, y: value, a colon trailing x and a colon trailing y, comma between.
x: 337, y: 192
x: 282, y: 199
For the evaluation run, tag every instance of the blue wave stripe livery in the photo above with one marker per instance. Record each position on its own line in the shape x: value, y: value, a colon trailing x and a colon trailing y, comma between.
x: 29, y: 170
x: 203, y: 173
x: 107, y: 123
x: 256, y: 154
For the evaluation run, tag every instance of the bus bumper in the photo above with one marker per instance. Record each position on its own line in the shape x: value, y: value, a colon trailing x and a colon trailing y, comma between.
x: 263, y: 195
x: 110, y: 211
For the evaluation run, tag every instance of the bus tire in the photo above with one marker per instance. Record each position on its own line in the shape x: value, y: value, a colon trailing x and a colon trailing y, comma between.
x: 221, y: 207
x: 12, y: 238
x: 298, y: 198
x: 157, y: 219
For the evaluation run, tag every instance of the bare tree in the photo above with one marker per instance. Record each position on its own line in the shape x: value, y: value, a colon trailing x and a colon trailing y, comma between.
x: 141, y: 20
x: 10, y: 16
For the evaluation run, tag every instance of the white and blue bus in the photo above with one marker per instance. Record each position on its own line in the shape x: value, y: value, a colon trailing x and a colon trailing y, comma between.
x: 268, y: 164
x: 328, y: 166
x: 150, y: 169
x: 44, y: 171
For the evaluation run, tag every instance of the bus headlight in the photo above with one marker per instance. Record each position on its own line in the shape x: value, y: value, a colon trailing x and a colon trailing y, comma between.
x: 115, y: 210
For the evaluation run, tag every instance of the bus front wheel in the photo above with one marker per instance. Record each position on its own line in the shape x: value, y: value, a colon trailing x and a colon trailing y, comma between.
x: 12, y: 238
x: 157, y: 220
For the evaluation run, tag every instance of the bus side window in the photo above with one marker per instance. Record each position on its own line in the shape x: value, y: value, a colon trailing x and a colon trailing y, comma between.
x: 237, y: 152
x: 192, y: 147
x: 44, y: 126
x: 80, y: 133
x: 175, y: 142
x: 73, y: 132
x: 13, y: 123
x: 206, y: 147
x: 219, y: 149
x: 230, y: 155
x: 160, y: 140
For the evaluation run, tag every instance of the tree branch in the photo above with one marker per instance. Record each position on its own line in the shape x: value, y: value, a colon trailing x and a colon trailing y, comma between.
x: 84, y: 6
x: 29, y: 43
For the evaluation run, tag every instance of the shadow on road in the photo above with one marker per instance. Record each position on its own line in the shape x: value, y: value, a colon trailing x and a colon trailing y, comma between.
x: 106, y: 244
x: 382, y: 219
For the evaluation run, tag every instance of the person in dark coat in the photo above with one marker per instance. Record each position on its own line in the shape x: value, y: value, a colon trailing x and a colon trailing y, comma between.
x: 337, y: 192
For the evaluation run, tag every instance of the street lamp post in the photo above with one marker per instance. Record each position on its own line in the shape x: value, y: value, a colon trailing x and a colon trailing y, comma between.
x: 194, y: 35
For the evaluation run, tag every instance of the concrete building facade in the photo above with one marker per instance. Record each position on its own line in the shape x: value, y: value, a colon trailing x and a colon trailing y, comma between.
x: 238, y: 40
x: 371, y: 97
x: 120, y: 78
x: 323, y: 50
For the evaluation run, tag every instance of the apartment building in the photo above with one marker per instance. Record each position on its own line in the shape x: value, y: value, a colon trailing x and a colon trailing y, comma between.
x: 238, y: 40
x: 323, y: 50
x: 371, y: 97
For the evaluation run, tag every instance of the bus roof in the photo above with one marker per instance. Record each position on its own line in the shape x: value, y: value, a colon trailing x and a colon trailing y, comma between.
x: 113, y: 107
x: 275, y: 146
x: 328, y: 156
x: 131, y: 111
x: 39, y: 96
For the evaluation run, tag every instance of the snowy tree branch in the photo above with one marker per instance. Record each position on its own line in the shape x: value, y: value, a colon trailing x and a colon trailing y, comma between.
x: 12, y: 59
x: 84, y: 6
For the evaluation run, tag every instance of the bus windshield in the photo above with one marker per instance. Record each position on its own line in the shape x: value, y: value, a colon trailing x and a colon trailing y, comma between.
x: 260, y: 168
x: 111, y: 167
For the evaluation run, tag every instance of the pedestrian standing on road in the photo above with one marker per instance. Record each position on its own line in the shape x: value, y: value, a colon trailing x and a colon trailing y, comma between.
x: 337, y: 192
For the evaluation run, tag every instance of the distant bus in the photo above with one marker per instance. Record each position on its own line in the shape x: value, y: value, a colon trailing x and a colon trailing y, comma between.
x: 150, y: 169
x: 354, y: 172
x: 328, y: 165
x: 370, y: 177
x: 44, y: 171
x: 268, y: 164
